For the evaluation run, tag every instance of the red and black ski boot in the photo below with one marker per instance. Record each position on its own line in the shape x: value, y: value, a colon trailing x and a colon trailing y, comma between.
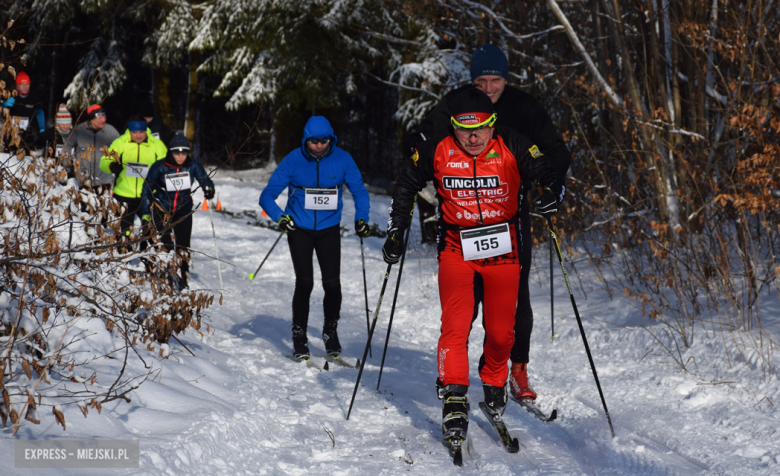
x: 518, y: 382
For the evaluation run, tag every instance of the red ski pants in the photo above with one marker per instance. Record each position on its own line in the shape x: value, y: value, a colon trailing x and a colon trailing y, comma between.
x: 456, y: 291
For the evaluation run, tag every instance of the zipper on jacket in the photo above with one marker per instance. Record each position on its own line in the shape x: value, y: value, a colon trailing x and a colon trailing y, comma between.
x: 139, y: 160
x: 476, y: 192
x: 175, y: 197
x: 318, y: 186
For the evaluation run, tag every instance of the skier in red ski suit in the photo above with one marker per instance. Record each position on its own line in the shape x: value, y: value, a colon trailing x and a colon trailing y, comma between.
x: 478, y: 171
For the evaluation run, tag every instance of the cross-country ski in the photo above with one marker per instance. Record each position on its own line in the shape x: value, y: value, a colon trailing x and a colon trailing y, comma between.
x: 529, y: 405
x: 556, y: 222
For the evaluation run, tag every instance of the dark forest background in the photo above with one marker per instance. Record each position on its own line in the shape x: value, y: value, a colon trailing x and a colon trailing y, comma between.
x: 671, y: 110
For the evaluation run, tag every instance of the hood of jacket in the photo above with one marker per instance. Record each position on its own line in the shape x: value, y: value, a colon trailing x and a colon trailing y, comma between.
x: 318, y: 126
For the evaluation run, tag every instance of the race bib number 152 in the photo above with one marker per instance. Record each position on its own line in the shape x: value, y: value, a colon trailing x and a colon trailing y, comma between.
x: 321, y: 199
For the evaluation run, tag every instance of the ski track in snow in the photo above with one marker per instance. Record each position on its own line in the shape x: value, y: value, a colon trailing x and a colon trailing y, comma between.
x: 240, y: 407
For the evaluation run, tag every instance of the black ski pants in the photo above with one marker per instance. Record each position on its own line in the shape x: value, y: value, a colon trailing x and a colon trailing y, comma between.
x: 327, y: 244
x: 182, y: 231
x: 132, y: 208
x: 524, y: 316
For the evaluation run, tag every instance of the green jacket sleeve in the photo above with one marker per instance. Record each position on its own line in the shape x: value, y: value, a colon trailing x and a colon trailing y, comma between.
x: 105, y: 161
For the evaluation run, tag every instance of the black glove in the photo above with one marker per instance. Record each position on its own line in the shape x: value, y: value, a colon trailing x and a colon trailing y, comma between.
x: 391, y: 251
x: 115, y: 167
x: 208, y: 192
x: 362, y: 229
x: 548, y: 200
x: 287, y: 224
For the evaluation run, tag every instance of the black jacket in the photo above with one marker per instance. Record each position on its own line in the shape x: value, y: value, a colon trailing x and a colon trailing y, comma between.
x: 29, y: 108
x: 157, y: 126
x: 516, y: 110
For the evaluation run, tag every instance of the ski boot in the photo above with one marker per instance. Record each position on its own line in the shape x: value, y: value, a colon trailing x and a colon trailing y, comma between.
x: 331, y: 338
x: 518, y: 382
x: 495, y: 399
x: 439, y: 389
x: 300, y: 343
x: 493, y: 408
x: 455, y: 420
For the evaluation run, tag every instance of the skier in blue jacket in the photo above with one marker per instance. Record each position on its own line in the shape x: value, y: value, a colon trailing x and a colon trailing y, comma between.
x: 313, y: 176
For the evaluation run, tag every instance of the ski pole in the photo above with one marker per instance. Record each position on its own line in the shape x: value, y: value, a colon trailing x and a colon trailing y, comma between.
x: 552, y: 306
x: 365, y: 292
x: 579, y: 323
x: 370, y: 334
x: 252, y: 275
x: 392, y: 308
x: 216, y: 248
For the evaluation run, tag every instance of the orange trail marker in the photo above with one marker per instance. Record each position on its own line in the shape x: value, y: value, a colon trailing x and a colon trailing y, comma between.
x: 205, y: 205
x: 219, y: 205
x: 264, y: 214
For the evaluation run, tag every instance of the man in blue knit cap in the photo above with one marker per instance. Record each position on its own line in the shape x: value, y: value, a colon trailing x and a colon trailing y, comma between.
x: 314, y: 175
x: 520, y: 111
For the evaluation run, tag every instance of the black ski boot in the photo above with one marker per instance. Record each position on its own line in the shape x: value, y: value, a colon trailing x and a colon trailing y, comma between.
x: 439, y: 389
x: 331, y: 338
x: 300, y: 343
x: 455, y: 420
x: 495, y: 399
x: 493, y: 407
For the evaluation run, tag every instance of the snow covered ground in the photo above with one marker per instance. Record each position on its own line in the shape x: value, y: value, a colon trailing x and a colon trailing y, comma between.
x: 240, y: 407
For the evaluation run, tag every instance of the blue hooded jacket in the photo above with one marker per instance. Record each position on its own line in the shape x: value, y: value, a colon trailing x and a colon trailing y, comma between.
x: 299, y: 171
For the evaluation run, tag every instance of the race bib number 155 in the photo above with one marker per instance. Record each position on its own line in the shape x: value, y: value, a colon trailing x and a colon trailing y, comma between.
x: 486, y: 242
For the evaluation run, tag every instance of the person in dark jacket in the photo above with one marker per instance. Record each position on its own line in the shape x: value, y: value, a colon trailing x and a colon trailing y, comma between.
x: 522, y: 113
x: 167, y: 198
x: 26, y: 111
x: 313, y: 176
x: 154, y: 123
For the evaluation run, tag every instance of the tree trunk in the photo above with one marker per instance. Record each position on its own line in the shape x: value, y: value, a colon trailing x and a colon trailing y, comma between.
x: 653, y: 150
x: 192, y: 97
x: 161, y: 94
x: 53, y: 100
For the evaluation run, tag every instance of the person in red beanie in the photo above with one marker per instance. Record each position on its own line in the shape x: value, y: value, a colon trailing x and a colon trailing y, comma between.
x: 26, y: 111
x: 87, y: 139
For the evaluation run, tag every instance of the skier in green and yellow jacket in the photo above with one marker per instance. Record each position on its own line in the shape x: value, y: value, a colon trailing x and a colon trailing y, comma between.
x: 129, y: 159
